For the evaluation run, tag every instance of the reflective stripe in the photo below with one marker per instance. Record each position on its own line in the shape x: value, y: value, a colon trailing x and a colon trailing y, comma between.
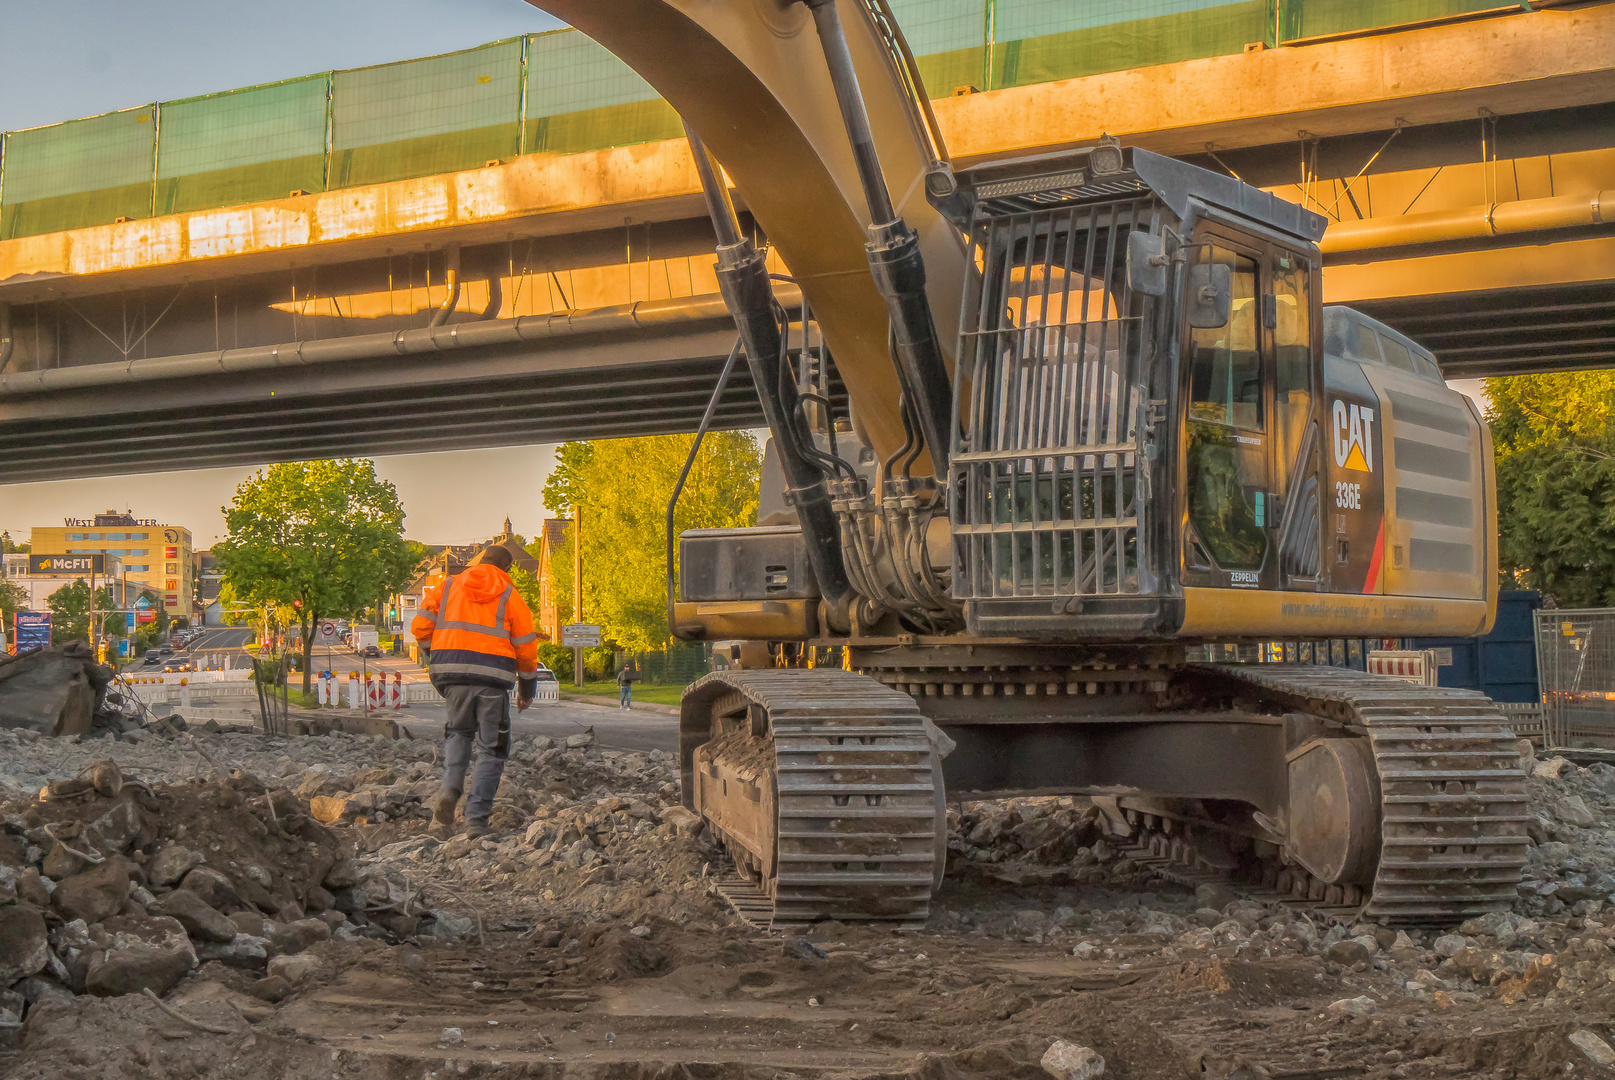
x: 475, y: 628
x: 525, y: 638
x: 443, y: 595
x: 499, y: 612
x: 439, y: 668
x: 528, y: 674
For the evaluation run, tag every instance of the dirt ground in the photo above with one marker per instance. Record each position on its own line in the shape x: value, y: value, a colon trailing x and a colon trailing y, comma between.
x: 587, y: 940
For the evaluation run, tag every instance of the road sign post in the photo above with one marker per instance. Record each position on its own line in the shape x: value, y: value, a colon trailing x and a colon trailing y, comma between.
x: 579, y: 636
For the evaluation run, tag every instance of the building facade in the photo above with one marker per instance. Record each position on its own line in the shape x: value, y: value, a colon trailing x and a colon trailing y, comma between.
x: 38, y: 586
x: 155, y: 556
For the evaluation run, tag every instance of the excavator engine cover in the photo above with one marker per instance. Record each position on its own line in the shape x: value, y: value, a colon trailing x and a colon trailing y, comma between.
x: 1334, y: 810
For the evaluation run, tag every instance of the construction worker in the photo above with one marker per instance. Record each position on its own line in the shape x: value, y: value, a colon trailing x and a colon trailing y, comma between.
x: 476, y: 634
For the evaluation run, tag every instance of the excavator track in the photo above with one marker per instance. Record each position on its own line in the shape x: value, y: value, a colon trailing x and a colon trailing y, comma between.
x: 1452, y: 835
x: 825, y: 788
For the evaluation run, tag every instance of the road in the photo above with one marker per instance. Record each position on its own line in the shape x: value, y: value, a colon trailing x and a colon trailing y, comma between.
x: 613, y: 728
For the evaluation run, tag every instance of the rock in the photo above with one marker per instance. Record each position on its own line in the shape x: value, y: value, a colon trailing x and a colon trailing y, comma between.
x: 148, y: 952
x: 243, y: 951
x: 1497, y: 924
x: 1549, y: 768
x: 95, y: 894
x: 215, y: 890
x: 60, y: 863
x: 317, y: 898
x: 685, y: 821
x: 201, y: 991
x: 1207, y: 917
x: 116, y: 829
x: 1357, y: 1006
x: 199, y: 920
x: 252, y: 924
x: 171, y: 864
x: 294, y: 937
x: 33, y: 889
x: 1068, y: 1061
x: 298, y: 969
x: 581, y: 740
x: 24, y: 948
x: 448, y: 927
x: 1449, y: 945
x: 1597, y: 1050
x: 1571, y: 810
x: 1213, y: 895
x: 344, y: 874
x: 271, y: 988
x: 451, y: 1037
x: 330, y: 809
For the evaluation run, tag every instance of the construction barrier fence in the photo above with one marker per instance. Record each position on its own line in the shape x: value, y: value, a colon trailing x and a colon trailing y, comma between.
x: 561, y: 93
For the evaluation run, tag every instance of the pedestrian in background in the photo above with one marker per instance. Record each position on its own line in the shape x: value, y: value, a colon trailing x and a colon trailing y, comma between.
x: 477, y: 635
x: 625, y: 687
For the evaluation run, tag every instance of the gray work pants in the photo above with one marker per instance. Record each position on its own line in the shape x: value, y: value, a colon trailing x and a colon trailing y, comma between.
x: 480, y: 714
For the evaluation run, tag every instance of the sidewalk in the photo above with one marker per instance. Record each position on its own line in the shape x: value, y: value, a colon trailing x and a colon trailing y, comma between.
x: 611, y: 702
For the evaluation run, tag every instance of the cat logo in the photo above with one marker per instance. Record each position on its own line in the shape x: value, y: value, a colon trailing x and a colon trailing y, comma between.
x: 1353, y: 428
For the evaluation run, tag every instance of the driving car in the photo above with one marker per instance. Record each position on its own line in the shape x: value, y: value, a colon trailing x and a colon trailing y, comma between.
x: 153, y: 659
x: 545, y: 674
x: 371, y: 650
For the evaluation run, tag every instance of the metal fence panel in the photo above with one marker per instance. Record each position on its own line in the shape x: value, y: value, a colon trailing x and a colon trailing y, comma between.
x: 420, y: 117
x: 1576, y: 667
x: 84, y: 172
x: 581, y: 97
x: 242, y: 146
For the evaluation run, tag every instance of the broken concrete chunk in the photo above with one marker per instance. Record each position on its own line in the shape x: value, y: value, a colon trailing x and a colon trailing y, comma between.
x: 1597, y: 1050
x: 1357, y: 1006
x: 24, y: 948
x: 294, y: 937
x: 1549, y: 768
x: 1068, y: 1061
x: 243, y: 951
x: 148, y: 952
x: 296, y: 970
x: 96, y: 893
x: 171, y: 864
x: 199, y: 920
x: 1571, y: 810
x: 216, y: 890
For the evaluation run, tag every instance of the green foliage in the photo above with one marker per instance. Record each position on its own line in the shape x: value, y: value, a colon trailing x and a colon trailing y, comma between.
x: 13, y: 597
x: 623, y: 486
x: 70, y: 612
x: 558, y: 658
x: 1555, y: 443
x: 314, y: 539
x: 566, y: 484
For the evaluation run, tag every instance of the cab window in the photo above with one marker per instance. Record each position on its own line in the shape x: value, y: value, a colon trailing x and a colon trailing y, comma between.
x: 1225, y: 362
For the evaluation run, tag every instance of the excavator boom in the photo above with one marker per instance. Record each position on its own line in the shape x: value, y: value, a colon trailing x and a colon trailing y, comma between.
x: 750, y: 78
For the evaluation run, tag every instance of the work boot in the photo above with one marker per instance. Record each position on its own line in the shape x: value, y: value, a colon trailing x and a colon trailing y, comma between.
x: 477, y: 829
x: 443, y: 812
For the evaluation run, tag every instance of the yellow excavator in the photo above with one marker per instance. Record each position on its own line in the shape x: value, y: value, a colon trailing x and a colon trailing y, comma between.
x: 1098, y: 419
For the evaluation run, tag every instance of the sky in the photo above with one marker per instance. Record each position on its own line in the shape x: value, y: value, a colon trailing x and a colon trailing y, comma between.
x: 71, y: 58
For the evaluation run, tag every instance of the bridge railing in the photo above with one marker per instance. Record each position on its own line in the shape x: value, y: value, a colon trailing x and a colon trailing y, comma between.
x: 561, y: 93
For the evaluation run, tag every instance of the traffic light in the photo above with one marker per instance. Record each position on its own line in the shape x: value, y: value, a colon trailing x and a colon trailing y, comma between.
x: 392, y: 612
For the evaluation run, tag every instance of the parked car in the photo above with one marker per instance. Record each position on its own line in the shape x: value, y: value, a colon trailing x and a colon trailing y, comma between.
x: 545, y: 674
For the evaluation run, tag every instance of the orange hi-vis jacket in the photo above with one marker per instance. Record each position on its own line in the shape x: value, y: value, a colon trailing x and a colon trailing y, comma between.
x: 479, y: 631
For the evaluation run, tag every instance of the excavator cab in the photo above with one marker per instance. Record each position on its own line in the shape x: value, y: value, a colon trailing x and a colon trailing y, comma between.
x: 1164, y: 436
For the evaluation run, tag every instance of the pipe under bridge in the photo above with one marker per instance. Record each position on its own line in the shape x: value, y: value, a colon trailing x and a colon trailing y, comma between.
x: 1467, y: 166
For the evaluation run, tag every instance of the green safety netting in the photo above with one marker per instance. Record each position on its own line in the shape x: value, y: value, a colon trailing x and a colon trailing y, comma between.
x: 439, y: 114
x: 242, y: 146
x: 581, y: 97
x: 84, y: 172
x: 559, y: 92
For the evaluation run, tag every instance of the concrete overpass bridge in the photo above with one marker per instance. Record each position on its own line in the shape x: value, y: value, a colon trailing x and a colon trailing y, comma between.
x: 266, y: 274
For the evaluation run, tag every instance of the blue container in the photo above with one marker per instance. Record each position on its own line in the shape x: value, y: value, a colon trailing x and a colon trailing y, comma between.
x: 1502, y: 665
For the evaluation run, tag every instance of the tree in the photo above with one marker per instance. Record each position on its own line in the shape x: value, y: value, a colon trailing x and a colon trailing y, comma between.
x: 70, y: 611
x: 321, y: 538
x: 623, y: 486
x: 1555, y: 444
x: 13, y: 598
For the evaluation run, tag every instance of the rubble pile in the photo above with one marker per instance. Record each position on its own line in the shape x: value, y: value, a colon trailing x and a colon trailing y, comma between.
x: 61, y: 691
